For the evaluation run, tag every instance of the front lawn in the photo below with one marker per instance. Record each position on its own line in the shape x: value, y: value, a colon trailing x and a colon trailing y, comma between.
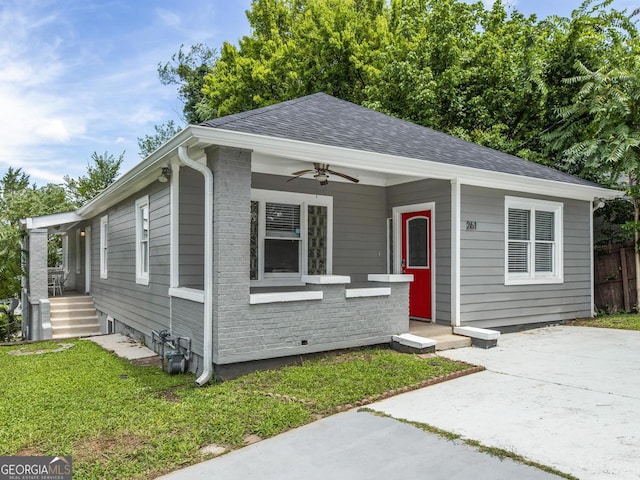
x: 118, y: 420
x: 626, y: 321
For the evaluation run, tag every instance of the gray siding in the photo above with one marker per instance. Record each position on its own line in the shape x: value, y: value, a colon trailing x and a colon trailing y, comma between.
x: 244, y: 332
x: 485, y: 299
x: 359, y: 222
x: 142, y: 307
x: 438, y: 191
x: 191, y: 228
x: 187, y: 321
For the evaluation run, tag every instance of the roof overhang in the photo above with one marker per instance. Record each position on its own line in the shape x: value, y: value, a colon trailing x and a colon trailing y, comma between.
x: 396, y: 168
x: 397, y: 165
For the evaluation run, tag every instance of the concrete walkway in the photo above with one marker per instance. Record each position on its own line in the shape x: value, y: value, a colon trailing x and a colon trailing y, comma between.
x: 123, y: 346
x: 358, y: 445
x: 567, y: 397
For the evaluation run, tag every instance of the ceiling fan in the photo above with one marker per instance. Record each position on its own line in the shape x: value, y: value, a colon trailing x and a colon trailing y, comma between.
x: 321, y: 173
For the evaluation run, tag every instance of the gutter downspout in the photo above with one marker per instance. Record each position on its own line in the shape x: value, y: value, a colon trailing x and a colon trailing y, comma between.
x: 208, y: 263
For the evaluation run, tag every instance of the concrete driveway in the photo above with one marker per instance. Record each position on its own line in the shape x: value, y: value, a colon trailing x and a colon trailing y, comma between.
x: 567, y: 397
x: 358, y: 445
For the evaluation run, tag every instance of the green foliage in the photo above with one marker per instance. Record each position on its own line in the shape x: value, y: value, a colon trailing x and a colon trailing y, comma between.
x: 627, y: 321
x: 298, y: 47
x: 187, y: 71
x: 611, y: 223
x: 488, y: 75
x: 20, y: 200
x: 149, y: 143
x: 9, y: 322
x: 123, y: 421
x: 600, y: 129
x: 100, y: 174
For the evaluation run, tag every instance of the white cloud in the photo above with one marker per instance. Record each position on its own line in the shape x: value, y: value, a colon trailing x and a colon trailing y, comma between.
x: 81, y: 75
x: 170, y: 19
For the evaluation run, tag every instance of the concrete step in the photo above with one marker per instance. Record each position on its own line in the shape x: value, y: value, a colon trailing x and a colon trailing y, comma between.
x: 449, y: 342
x: 59, y: 313
x: 71, y: 321
x: 77, y: 330
x: 81, y: 299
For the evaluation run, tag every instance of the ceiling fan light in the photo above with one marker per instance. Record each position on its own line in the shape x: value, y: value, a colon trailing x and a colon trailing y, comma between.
x: 321, y: 177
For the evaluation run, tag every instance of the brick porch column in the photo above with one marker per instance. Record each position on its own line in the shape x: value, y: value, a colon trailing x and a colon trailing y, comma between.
x: 231, y: 220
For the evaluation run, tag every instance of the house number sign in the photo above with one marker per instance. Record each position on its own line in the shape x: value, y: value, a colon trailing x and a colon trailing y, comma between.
x: 471, y: 225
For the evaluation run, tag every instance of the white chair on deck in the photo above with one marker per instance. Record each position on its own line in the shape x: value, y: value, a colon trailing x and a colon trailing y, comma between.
x: 54, y: 284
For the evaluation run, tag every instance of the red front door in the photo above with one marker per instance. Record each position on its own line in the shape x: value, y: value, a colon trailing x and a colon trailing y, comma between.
x: 416, y: 260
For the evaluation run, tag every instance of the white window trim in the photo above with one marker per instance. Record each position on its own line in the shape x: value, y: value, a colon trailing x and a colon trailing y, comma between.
x: 104, y: 246
x: 304, y: 200
x: 78, y: 251
x: 531, y: 277
x: 142, y: 278
x: 65, y: 252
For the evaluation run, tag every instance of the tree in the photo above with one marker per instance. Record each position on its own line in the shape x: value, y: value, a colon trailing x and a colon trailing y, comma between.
x: 600, y: 131
x: 102, y: 173
x: 298, y: 47
x: 149, y: 143
x: 489, y: 75
x: 187, y: 70
x: 19, y: 200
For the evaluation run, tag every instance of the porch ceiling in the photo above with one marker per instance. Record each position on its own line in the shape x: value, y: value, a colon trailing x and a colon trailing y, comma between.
x: 281, y: 165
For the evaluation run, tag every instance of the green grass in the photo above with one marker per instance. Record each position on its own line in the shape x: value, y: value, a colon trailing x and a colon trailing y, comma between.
x: 626, y: 321
x: 118, y: 420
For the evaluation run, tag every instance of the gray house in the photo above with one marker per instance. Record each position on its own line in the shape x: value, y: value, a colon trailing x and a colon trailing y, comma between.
x: 316, y: 224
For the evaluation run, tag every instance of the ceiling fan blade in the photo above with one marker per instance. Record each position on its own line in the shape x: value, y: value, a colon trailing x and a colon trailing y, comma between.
x: 343, y: 175
x: 301, y: 172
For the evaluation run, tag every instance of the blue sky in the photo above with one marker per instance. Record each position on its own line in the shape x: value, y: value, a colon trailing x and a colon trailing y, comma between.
x: 78, y: 76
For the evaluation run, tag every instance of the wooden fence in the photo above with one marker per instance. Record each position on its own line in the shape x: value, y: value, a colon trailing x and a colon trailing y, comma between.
x: 615, y: 279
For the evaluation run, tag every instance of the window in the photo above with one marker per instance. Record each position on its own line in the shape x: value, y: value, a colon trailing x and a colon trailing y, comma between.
x: 533, y: 232
x: 142, y: 240
x: 290, y: 236
x: 104, y: 245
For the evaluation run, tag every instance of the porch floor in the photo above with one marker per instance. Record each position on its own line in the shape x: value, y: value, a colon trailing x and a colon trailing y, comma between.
x: 441, y: 333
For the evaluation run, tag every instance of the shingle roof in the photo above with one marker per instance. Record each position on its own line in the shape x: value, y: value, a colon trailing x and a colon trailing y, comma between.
x: 326, y: 120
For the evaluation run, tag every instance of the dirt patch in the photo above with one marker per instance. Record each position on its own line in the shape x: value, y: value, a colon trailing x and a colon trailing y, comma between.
x: 41, y: 349
x: 169, y: 395
x: 100, y: 449
x: 154, y: 361
x: 29, y: 452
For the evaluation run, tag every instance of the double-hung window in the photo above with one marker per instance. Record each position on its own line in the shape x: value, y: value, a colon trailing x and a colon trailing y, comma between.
x: 104, y: 245
x: 142, y: 240
x: 291, y: 236
x: 533, y: 241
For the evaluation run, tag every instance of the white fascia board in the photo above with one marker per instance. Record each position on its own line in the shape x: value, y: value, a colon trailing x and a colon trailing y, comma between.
x: 384, y: 163
x: 47, y: 221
